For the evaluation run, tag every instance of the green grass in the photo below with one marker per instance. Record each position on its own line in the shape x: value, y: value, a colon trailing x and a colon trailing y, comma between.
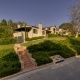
x: 9, y: 46
x: 28, y: 43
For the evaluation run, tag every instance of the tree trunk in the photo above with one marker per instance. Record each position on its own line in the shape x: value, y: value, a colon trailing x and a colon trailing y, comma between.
x: 77, y: 33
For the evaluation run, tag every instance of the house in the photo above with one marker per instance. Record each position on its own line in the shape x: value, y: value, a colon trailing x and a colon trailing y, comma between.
x: 62, y: 32
x: 51, y: 29
x: 31, y: 31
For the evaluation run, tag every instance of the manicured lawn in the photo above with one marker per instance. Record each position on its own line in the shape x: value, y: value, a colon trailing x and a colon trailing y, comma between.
x: 41, y: 40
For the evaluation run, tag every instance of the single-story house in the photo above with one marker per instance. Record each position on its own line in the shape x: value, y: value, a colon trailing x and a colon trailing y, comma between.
x: 32, y: 31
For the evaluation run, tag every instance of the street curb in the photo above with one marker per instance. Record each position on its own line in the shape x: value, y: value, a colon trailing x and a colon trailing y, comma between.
x: 39, y: 67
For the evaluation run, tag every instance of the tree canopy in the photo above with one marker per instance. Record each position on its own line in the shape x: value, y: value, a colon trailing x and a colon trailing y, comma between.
x: 67, y: 26
x: 3, y: 22
x: 10, y: 23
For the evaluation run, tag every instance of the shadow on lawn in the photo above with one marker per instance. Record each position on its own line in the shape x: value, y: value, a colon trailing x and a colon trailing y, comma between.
x: 75, y: 44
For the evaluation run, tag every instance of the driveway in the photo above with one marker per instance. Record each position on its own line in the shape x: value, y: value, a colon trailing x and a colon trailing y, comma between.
x: 67, y: 70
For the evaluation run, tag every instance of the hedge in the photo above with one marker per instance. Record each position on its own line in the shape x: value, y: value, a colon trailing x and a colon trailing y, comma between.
x: 7, y: 40
x: 9, y: 63
x: 47, y: 49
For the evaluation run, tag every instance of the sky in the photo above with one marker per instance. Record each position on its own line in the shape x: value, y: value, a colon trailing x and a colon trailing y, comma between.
x: 33, y: 12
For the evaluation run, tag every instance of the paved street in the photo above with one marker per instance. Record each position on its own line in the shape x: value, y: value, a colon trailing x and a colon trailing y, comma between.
x: 67, y: 70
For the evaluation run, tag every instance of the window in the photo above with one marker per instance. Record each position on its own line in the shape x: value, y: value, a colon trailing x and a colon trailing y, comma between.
x: 43, y: 32
x: 35, y: 31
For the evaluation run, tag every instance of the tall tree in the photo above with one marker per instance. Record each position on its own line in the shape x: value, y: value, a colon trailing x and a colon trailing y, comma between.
x: 3, y: 22
x: 67, y: 26
x: 75, y: 16
x: 10, y: 23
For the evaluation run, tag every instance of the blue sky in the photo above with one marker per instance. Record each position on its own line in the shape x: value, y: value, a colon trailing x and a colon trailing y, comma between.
x: 33, y: 12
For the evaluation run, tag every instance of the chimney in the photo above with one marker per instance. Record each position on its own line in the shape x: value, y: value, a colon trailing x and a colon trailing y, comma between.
x: 40, y: 29
x: 40, y: 26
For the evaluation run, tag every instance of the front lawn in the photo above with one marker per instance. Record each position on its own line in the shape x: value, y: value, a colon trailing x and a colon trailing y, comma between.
x: 42, y: 50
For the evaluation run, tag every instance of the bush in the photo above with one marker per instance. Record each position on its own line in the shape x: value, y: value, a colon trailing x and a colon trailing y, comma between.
x: 5, y: 41
x: 9, y: 63
x: 34, y: 38
x: 2, y: 30
x: 75, y: 44
x: 42, y: 58
x: 45, y: 46
x: 10, y: 57
x: 8, y: 68
x: 42, y: 51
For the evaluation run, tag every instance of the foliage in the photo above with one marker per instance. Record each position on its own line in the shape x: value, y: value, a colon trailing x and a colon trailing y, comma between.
x: 8, y: 32
x: 9, y: 63
x: 1, y: 30
x: 67, y: 26
x: 41, y: 58
x: 10, y: 23
x: 7, y: 40
x: 48, y: 48
x: 75, y: 44
x: 34, y: 38
x: 3, y: 22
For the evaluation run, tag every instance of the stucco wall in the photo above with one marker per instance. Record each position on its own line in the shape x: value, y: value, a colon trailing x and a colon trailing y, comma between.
x: 17, y: 34
x: 52, y: 30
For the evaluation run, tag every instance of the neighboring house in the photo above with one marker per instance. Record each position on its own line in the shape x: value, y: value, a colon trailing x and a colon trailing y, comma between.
x: 62, y: 31
x: 51, y: 29
x: 32, y: 31
x: 59, y: 31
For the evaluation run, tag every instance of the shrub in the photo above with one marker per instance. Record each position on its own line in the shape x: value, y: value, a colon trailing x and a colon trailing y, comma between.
x: 34, y: 38
x: 75, y: 44
x: 77, y: 48
x: 42, y: 58
x: 8, y: 68
x: 42, y: 51
x: 9, y: 63
x: 5, y: 41
x: 10, y: 57
x: 44, y: 46
x: 2, y: 30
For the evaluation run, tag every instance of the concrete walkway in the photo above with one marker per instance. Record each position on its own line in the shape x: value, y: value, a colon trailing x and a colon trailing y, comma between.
x: 67, y: 70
